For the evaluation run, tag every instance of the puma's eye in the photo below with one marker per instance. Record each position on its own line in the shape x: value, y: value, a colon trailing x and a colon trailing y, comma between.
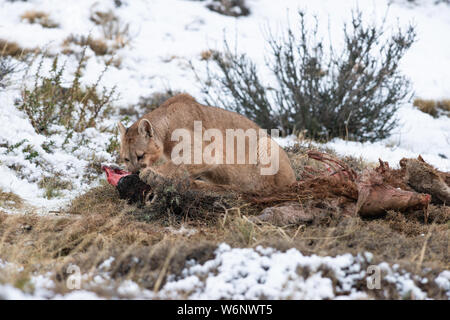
x: 140, y: 157
x: 127, y: 160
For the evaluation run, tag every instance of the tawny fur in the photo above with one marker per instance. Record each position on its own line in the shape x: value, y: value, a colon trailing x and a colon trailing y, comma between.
x: 146, y: 147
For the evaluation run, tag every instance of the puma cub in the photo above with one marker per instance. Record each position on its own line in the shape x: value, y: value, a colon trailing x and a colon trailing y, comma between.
x: 215, y: 148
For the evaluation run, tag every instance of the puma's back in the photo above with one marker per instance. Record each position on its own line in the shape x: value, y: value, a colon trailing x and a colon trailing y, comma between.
x: 154, y: 139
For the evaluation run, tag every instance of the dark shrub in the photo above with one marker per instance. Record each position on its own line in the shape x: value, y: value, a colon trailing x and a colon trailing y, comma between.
x: 146, y: 104
x: 351, y: 93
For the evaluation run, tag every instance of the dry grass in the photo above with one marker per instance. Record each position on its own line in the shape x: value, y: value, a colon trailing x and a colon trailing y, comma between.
x: 434, y: 108
x: 12, y: 49
x: 303, y: 165
x: 49, y: 101
x: 10, y: 200
x: 97, y: 225
x: 39, y: 17
x: 99, y: 199
x: 99, y: 46
x: 53, y: 185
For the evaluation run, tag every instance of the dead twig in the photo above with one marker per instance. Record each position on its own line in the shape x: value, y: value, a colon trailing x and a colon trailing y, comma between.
x: 424, y: 248
x: 164, y: 268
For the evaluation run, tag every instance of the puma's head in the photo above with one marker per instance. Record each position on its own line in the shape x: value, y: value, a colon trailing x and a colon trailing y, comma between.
x: 139, y: 147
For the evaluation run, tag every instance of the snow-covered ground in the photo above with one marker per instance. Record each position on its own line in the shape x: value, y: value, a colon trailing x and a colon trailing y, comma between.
x: 261, y: 273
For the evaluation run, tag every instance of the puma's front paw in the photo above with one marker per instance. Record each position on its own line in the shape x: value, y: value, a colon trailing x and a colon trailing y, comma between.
x: 151, y: 177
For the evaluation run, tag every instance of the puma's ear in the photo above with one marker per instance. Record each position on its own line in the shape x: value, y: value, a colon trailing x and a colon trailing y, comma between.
x: 145, y: 128
x: 122, y: 129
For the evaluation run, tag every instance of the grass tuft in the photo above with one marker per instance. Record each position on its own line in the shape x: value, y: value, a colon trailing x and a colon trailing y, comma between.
x: 12, y: 49
x: 435, y: 108
x: 39, y: 17
x: 98, y: 225
x: 53, y: 186
x: 98, y: 46
x: 10, y: 200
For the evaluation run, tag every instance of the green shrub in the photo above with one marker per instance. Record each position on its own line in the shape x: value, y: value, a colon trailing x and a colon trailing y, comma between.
x: 233, y: 8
